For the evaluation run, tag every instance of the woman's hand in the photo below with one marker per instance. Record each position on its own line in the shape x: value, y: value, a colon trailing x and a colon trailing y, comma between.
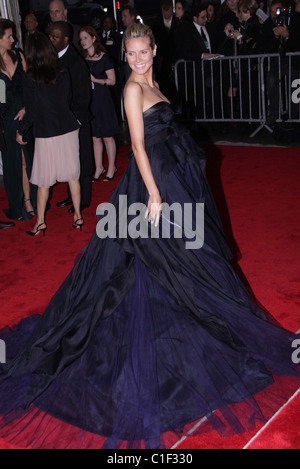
x: 19, y: 139
x: 20, y: 115
x: 153, y: 211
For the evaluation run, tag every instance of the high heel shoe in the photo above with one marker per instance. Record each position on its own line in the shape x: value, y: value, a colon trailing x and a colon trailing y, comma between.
x: 38, y: 230
x: 77, y: 225
x: 98, y: 178
x: 31, y: 212
x: 107, y: 178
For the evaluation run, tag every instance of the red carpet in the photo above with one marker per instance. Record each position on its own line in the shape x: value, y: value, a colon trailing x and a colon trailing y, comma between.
x: 257, y: 191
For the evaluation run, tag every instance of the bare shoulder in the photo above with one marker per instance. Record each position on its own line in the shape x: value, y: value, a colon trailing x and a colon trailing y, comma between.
x: 132, y: 89
x: 133, y: 94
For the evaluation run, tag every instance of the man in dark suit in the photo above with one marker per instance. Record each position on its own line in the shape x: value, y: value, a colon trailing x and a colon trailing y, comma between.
x: 112, y: 41
x: 279, y: 35
x: 164, y: 32
x: 110, y: 38
x: 200, y: 41
x: 59, y: 12
x: 69, y: 58
x: 129, y: 15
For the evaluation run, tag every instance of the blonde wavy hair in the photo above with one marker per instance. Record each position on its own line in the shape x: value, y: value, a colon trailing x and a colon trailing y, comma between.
x: 139, y: 30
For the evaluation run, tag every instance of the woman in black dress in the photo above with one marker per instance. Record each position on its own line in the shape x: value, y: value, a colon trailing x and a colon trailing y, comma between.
x: 105, y: 123
x: 17, y: 161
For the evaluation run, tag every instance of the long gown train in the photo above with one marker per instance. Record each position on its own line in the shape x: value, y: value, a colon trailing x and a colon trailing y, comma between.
x: 144, y: 337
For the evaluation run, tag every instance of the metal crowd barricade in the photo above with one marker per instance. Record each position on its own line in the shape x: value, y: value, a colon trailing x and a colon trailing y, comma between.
x: 261, y: 89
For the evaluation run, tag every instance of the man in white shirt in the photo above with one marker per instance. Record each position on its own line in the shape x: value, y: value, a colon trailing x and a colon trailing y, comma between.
x: 69, y: 58
x: 164, y: 30
x: 200, y: 41
x: 59, y: 12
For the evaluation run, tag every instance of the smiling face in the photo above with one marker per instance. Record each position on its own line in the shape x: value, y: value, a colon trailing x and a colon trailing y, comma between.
x: 140, y: 54
x: 7, y: 39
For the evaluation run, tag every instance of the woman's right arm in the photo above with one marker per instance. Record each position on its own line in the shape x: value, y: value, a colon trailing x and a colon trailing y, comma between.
x: 133, y: 101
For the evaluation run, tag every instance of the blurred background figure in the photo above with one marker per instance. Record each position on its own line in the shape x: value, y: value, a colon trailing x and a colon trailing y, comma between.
x: 211, y: 12
x: 164, y: 30
x: 17, y: 161
x: 129, y: 17
x: 30, y: 24
x: 59, y: 12
x: 105, y: 123
x: 112, y: 41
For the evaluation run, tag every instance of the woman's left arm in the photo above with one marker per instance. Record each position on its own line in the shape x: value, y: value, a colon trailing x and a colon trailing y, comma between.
x: 110, y: 79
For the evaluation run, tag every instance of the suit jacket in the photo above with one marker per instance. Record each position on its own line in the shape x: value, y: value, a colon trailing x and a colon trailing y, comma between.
x: 165, y: 41
x: 192, y: 46
x: 80, y: 101
x: 80, y: 81
x: 113, y: 45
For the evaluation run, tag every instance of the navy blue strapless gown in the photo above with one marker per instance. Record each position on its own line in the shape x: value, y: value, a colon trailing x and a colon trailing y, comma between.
x: 145, y: 337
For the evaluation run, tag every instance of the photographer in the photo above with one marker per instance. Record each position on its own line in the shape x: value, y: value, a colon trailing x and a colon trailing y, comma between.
x: 276, y: 38
x: 275, y: 30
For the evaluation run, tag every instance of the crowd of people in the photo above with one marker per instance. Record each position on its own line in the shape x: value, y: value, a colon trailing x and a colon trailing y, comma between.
x: 98, y: 71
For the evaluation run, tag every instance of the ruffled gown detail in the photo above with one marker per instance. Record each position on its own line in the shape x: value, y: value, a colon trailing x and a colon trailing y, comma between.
x: 146, y: 339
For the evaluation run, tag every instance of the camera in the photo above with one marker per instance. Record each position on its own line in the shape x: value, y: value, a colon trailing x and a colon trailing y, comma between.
x: 283, y: 16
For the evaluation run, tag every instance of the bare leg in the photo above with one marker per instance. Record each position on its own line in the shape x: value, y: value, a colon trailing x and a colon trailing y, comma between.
x: 76, y: 198
x: 98, y: 156
x: 111, y: 150
x: 42, y: 199
x: 26, y: 188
